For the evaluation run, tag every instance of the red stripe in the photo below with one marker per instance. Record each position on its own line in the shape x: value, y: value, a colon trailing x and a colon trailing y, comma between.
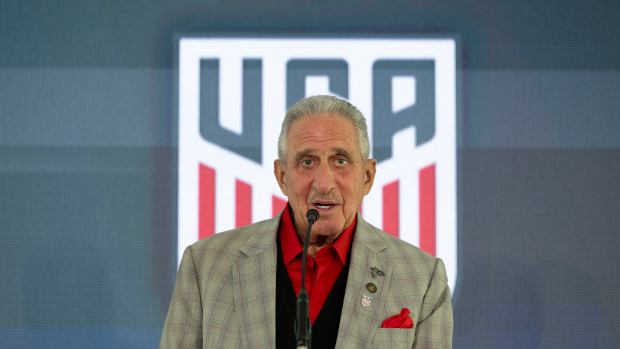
x: 206, y: 201
x: 427, y: 210
x: 243, y: 203
x: 277, y: 205
x: 391, y: 208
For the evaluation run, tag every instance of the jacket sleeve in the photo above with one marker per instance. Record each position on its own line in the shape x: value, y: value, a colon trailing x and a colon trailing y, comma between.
x: 183, y: 326
x: 435, y: 323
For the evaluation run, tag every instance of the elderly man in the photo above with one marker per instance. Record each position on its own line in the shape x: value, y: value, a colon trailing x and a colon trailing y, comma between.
x: 367, y: 289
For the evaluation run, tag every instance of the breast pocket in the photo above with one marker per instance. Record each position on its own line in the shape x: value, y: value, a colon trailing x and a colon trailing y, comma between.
x: 393, y: 338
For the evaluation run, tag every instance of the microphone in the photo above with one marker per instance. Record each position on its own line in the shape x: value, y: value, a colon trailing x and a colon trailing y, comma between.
x: 312, y: 215
x: 303, y: 331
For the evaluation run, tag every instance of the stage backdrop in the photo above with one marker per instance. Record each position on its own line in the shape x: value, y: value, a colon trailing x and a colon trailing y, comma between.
x: 130, y: 130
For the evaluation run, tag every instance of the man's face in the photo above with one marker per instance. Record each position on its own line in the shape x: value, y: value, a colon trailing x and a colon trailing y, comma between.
x: 324, y: 170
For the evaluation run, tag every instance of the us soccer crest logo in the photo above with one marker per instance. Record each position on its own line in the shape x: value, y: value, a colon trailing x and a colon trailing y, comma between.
x: 233, y: 93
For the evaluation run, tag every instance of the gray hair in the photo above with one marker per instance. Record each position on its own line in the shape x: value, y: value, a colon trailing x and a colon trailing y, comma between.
x: 324, y: 104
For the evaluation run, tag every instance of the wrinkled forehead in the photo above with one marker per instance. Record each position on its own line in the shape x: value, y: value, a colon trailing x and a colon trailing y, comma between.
x: 343, y: 135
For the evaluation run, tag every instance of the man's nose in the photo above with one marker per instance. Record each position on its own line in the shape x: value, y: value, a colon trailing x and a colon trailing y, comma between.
x: 324, y: 181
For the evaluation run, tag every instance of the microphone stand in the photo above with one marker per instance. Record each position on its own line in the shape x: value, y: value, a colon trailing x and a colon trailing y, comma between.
x: 303, y: 329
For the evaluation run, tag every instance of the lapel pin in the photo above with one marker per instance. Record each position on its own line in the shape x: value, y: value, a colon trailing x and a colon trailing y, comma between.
x: 366, y: 300
x: 376, y: 272
x: 372, y: 288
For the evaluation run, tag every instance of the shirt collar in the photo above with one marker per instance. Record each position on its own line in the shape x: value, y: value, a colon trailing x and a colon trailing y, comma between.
x: 292, y: 245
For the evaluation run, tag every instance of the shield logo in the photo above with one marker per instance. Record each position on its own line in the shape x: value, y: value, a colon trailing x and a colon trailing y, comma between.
x: 233, y: 93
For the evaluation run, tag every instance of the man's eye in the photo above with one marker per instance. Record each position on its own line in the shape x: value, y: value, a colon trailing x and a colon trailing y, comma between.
x: 341, y: 162
x: 306, y: 162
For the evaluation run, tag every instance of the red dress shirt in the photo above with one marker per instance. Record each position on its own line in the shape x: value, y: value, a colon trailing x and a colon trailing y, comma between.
x: 322, y: 270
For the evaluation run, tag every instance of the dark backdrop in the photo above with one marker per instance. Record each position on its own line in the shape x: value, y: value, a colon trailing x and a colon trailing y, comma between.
x: 88, y: 164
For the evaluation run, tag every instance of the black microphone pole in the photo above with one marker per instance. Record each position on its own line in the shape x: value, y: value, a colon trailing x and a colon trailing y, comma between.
x: 304, y: 331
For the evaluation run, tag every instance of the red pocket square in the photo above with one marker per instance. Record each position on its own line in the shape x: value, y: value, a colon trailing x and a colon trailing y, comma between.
x: 402, y: 320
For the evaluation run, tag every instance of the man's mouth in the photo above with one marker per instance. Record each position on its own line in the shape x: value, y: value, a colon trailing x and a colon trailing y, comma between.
x: 324, y: 205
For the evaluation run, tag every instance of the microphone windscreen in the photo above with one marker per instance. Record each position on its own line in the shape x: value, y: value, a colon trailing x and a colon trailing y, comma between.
x: 312, y: 215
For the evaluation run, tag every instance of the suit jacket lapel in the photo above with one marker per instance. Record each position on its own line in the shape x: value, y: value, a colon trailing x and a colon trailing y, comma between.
x: 254, y: 285
x: 361, y: 309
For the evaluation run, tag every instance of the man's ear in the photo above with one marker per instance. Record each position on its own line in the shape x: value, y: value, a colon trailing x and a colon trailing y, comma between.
x: 278, y: 171
x: 370, y: 169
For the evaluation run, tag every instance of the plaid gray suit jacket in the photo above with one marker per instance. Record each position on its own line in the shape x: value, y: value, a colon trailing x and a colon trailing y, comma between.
x: 224, y: 296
